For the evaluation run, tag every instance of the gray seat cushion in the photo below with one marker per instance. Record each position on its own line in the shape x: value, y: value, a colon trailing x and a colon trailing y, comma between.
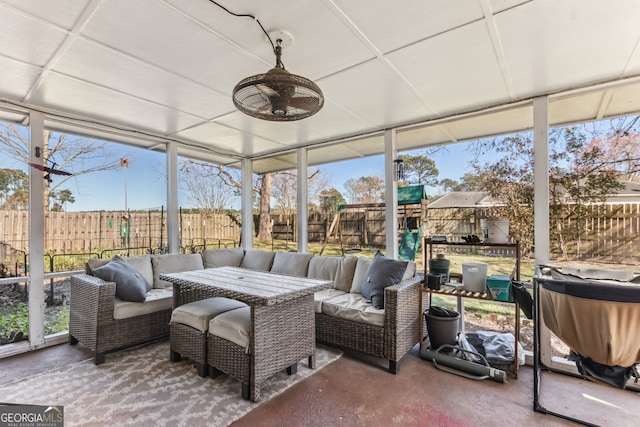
x: 197, y: 314
x: 291, y: 263
x: 336, y: 268
x: 224, y: 257
x: 257, y: 260
x: 173, y: 263
x: 234, y: 326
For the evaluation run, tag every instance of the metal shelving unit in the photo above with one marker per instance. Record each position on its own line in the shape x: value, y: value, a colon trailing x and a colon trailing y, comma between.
x: 460, y: 294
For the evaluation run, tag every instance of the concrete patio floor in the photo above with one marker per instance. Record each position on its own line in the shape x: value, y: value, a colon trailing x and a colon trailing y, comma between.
x: 356, y: 390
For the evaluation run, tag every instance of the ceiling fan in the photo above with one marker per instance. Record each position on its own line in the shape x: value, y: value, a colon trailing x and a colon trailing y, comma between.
x: 278, y: 95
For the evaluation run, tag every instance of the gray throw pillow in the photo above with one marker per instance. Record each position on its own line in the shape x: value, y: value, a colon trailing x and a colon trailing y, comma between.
x: 382, y: 272
x: 130, y: 283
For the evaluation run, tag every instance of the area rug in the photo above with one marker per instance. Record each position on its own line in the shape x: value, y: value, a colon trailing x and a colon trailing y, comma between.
x: 141, y: 387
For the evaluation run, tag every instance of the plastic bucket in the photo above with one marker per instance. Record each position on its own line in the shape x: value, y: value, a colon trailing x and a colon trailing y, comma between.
x: 495, y: 230
x: 440, y: 266
x: 442, y: 329
x: 474, y: 277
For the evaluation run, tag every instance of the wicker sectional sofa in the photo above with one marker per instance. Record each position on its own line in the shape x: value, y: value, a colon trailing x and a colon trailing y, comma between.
x: 105, y: 323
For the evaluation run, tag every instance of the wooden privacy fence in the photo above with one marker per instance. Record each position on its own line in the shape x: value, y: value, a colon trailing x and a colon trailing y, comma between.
x: 610, y: 230
x: 83, y: 232
x: 358, y: 228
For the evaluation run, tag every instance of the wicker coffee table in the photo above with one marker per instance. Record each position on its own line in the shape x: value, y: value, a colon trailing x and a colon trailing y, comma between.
x: 282, y: 313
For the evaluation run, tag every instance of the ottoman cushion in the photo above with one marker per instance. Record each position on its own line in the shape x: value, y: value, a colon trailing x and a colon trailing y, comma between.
x: 198, y: 313
x: 234, y: 326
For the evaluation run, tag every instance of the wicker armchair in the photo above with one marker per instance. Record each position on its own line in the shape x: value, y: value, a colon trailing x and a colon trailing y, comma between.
x: 92, y: 322
x: 391, y: 341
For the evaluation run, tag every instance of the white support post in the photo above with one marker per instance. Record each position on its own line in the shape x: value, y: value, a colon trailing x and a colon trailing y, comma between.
x: 542, y: 240
x: 391, y: 194
x: 247, y: 204
x: 303, y: 205
x: 36, y: 231
x: 173, y: 219
x: 541, y: 180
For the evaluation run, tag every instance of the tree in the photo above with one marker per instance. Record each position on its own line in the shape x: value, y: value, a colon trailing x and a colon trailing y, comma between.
x: 578, y: 177
x: 366, y: 189
x: 285, y: 192
x: 285, y: 189
x: 61, y: 198
x: 262, y: 186
x: 619, y: 150
x: 588, y: 177
x: 14, y: 189
x: 510, y: 180
x: 419, y: 169
x: 469, y: 182
x: 206, y: 189
x: 74, y: 154
x: 330, y: 200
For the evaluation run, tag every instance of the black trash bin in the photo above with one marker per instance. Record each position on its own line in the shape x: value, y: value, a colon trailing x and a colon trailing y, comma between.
x: 442, y: 326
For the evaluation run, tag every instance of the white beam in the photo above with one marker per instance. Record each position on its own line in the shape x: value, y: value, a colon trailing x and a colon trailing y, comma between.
x: 36, y: 231
x: 303, y: 205
x: 541, y: 236
x: 541, y: 180
x: 173, y: 218
x: 246, y: 203
x: 390, y: 193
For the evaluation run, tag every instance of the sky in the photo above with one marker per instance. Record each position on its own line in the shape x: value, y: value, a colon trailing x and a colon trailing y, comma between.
x: 141, y: 186
x: 143, y: 181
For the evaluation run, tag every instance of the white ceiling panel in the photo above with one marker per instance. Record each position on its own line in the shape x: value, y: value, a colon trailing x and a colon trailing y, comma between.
x: 16, y: 78
x: 498, y: 6
x: 454, y: 71
x: 423, y: 136
x: 335, y: 119
x: 167, y: 68
x: 573, y: 109
x: 60, y: 12
x: 624, y: 101
x: 81, y: 98
x: 106, y: 67
x: 230, y: 140
x: 505, y: 121
x: 276, y: 163
x: 177, y: 43
x: 374, y: 91
x: 28, y: 39
x: 596, y: 104
x: 285, y: 133
x: 353, y: 149
x: 550, y: 45
x: 206, y: 156
x: 388, y: 29
x: 322, y: 43
x: 473, y: 126
x: 12, y: 117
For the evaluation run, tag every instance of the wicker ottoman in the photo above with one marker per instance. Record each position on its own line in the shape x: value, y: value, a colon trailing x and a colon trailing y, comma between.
x: 189, y: 326
x: 228, y: 346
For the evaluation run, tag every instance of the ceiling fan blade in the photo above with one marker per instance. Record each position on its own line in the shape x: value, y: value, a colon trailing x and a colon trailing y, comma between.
x: 266, y: 90
x: 306, y: 103
x: 265, y: 107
